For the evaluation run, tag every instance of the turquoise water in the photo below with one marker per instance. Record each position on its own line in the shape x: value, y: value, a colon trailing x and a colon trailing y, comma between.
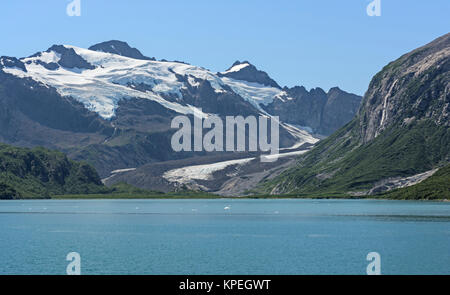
x: 224, y: 236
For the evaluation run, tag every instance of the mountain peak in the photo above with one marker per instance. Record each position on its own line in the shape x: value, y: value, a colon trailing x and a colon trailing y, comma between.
x: 237, y: 66
x: 247, y: 72
x: 68, y: 58
x: 119, y: 48
x: 334, y: 89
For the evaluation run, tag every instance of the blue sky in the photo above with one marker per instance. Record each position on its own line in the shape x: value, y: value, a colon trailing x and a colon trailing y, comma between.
x: 315, y: 43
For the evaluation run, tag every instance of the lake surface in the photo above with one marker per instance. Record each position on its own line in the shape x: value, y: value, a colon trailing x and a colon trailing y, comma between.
x: 224, y: 236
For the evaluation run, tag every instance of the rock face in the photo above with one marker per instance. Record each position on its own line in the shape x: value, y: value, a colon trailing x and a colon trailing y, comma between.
x: 119, y: 48
x: 323, y: 112
x: 245, y: 71
x: 69, y: 58
x: 412, y: 88
x: 401, y: 130
x: 316, y: 110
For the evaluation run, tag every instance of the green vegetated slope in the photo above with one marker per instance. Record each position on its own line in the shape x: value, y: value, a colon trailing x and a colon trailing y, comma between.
x: 340, y: 164
x: 40, y: 173
x: 435, y: 187
x: 402, y: 129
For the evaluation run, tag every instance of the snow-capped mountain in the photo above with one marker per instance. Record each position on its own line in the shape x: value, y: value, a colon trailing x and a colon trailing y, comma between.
x: 129, y: 100
x: 101, y: 79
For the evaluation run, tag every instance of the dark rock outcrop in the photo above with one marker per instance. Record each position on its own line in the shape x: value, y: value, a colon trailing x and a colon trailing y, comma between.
x: 70, y: 59
x: 120, y: 48
x: 11, y: 62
